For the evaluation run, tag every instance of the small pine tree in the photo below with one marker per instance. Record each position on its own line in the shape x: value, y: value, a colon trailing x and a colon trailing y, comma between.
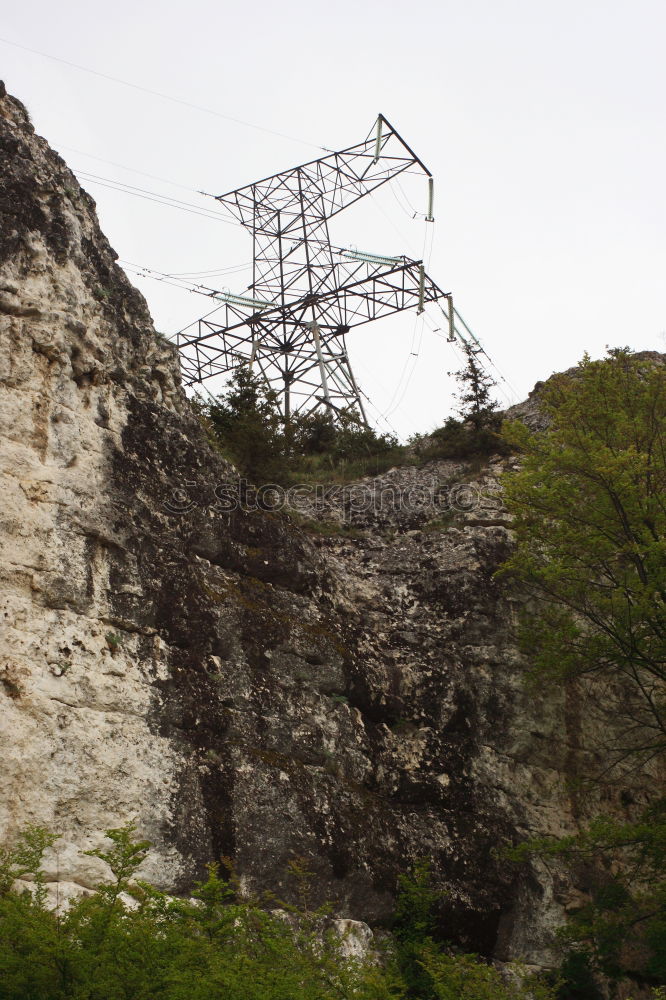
x: 476, y: 404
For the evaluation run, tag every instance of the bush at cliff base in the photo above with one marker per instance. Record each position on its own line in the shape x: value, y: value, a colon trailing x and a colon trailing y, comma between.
x: 127, y: 941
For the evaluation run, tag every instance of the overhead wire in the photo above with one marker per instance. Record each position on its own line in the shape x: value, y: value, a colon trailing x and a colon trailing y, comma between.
x: 131, y: 189
x: 154, y: 196
x: 199, y: 319
x: 404, y: 194
x: 407, y: 370
x: 390, y: 408
x: 145, y: 272
x: 401, y: 206
x: 509, y: 397
x: 405, y: 373
x: 426, y: 256
x: 492, y: 363
x: 133, y: 170
x: 512, y: 389
x: 141, y: 271
x: 406, y: 206
x: 380, y: 416
x: 405, y: 239
x: 460, y: 360
x: 185, y: 275
x: 372, y: 374
x: 238, y: 268
x: 157, y: 93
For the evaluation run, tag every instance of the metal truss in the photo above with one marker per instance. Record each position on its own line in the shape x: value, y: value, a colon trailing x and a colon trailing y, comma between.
x: 306, y: 295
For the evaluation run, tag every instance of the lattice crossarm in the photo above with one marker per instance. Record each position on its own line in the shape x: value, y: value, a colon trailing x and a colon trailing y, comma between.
x: 332, y: 182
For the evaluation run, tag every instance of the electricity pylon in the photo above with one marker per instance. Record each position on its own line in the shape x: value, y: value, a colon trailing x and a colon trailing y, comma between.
x: 306, y: 295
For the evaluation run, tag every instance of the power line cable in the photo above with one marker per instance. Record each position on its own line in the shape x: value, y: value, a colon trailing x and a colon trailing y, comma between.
x: 380, y: 416
x: 390, y: 408
x: 157, y: 93
x: 426, y: 257
x: 410, y: 373
x: 461, y: 360
x: 144, y: 272
x: 155, y: 196
x: 133, y: 187
x: 408, y: 212
x: 133, y: 170
x: 146, y: 195
x: 210, y: 274
x: 406, y: 206
x: 416, y: 355
x: 404, y: 194
x: 185, y: 275
x: 406, y: 373
x: 407, y: 241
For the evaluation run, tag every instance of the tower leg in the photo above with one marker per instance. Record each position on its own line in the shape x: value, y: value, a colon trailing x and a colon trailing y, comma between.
x: 287, y: 400
x: 322, y: 366
x: 357, y: 394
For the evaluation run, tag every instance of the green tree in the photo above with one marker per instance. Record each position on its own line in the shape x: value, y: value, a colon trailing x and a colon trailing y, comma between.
x: 312, y: 433
x: 414, y: 927
x: 432, y: 971
x: 354, y: 440
x: 128, y: 941
x: 589, y: 514
x: 589, y: 511
x: 475, y: 434
x: 24, y: 857
x: 475, y: 385
x: 247, y: 425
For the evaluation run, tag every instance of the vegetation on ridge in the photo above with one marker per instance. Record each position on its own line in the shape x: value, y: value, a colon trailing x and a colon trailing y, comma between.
x: 246, y: 424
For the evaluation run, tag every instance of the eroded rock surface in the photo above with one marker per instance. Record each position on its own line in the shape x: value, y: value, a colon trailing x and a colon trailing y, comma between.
x: 236, y: 683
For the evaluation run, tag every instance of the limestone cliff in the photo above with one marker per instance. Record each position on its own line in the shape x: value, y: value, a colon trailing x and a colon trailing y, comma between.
x: 236, y: 683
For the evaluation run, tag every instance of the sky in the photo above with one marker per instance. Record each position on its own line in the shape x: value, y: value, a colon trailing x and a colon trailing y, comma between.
x: 542, y: 122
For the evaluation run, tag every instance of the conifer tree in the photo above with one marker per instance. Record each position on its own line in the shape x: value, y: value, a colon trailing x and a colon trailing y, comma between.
x: 476, y: 403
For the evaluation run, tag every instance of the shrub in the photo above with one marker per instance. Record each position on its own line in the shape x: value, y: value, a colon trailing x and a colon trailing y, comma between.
x: 214, y: 945
x: 457, y: 441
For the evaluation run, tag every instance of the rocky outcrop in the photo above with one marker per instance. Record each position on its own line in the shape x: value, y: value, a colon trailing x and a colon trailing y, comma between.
x: 531, y: 412
x: 247, y: 684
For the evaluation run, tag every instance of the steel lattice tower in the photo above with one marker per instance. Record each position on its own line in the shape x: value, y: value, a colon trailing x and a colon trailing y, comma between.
x: 306, y: 295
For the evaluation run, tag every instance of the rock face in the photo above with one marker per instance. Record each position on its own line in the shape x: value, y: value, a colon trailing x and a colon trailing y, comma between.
x: 236, y: 682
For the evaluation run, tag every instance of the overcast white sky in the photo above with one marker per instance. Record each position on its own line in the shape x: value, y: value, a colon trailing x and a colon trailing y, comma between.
x: 543, y: 124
